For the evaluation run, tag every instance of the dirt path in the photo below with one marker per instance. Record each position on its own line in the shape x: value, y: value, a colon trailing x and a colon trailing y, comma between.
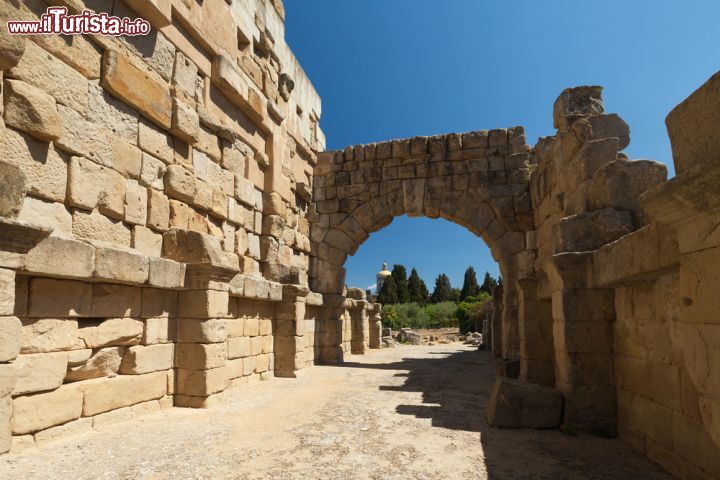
x: 404, y: 413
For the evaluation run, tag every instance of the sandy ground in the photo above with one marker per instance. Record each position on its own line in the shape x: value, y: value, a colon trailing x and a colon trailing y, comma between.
x: 413, y: 412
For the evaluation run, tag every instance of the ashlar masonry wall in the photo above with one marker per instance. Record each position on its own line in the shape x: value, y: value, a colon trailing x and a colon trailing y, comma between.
x: 154, y: 233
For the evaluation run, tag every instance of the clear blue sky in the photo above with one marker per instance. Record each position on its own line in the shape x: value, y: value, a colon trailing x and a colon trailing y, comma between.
x: 399, y: 68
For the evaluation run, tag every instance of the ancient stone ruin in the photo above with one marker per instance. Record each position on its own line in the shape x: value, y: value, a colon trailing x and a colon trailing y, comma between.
x: 172, y: 227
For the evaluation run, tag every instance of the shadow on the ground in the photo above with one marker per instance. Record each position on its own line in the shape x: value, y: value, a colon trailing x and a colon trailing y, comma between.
x: 455, y: 386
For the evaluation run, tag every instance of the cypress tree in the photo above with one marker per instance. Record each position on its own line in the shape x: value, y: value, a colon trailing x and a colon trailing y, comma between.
x: 401, y: 281
x: 388, y: 293
x: 470, y: 285
x: 443, y: 290
x: 417, y: 289
x: 488, y: 283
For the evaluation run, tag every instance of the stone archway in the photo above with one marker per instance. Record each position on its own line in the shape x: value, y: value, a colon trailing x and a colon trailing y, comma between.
x: 479, y: 180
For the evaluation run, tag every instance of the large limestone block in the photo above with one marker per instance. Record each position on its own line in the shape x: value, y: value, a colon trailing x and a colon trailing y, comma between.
x: 693, y: 125
x: 146, y: 359
x: 45, y: 71
x: 91, y: 185
x: 155, y: 142
x: 48, y: 335
x: 75, y: 427
x: 516, y: 404
x: 62, y: 257
x: 199, y: 356
x: 87, y: 139
x: 119, y: 118
x: 577, y: 102
x: 32, y: 111
x: 95, y: 226
x: 147, y: 242
x: 10, y: 341
x: 159, y: 330
x: 44, y: 168
x: 12, y: 48
x: 244, y: 191
x: 159, y: 303
x: 589, y: 231
x: 115, y: 331
x: 185, y: 122
x: 38, y: 412
x: 107, y: 394
x: 122, y: 265
x: 110, y: 300
x: 238, y: 347
x: 158, y: 211
x: 142, y: 89
x: 166, y: 273
x: 180, y: 184
x: 40, y: 372
x: 201, y: 382
x: 619, y: 185
x: 597, y: 127
x: 7, y: 292
x: 103, y: 363
x: 12, y: 190
x: 59, y: 298
x: 136, y: 200
x: 203, y: 303
x: 192, y: 330
x: 8, y: 379
x: 6, y: 410
x: 52, y: 215
x: 192, y: 247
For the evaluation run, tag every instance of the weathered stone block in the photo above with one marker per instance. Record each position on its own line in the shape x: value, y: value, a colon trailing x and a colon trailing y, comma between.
x: 136, y: 200
x: 191, y: 247
x: 691, y: 126
x: 115, y: 331
x: 51, y: 215
x: 39, y: 372
x: 166, y: 273
x: 91, y: 185
x: 199, y: 356
x: 102, y: 363
x: 10, y: 340
x: 48, y: 335
x: 516, y: 404
x: 203, y: 303
x: 59, y: 298
x: 95, y: 226
x: 201, y: 331
x: 147, y: 242
x: 152, y: 172
x: 115, y: 301
x: 38, y: 412
x: 589, y: 231
x: 180, y: 184
x: 140, y: 88
x: 201, y: 382
x: 158, y: 211
x: 146, y: 359
x: 238, y: 347
x: 185, y: 122
x: 577, y: 102
x: 45, y: 71
x: 107, y: 394
x: 120, y: 265
x: 44, y: 168
x: 32, y: 111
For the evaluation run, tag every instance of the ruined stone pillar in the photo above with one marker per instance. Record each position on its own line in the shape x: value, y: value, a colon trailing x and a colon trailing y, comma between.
x: 289, y: 332
x: 9, y: 349
x: 583, y: 338
x: 360, y: 335
x: 375, y: 326
x: 536, y: 335
x: 332, y: 328
x: 509, y: 326
x: 497, y: 313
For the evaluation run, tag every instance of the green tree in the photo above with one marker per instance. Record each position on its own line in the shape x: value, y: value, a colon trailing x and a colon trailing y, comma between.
x: 401, y: 281
x: 488, y: 283
x: 417, y: 289
x: 389, y: 292
x: 470, y: 284
x: 443, y: 290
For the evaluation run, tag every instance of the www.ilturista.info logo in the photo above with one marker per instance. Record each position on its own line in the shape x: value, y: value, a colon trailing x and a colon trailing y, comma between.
x: 56, y: 21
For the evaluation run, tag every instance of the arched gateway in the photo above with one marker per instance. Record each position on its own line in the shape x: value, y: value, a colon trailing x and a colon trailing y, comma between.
x: 479, y: 180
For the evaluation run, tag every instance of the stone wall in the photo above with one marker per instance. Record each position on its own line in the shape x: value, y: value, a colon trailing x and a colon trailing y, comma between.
x: 154, y: 233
